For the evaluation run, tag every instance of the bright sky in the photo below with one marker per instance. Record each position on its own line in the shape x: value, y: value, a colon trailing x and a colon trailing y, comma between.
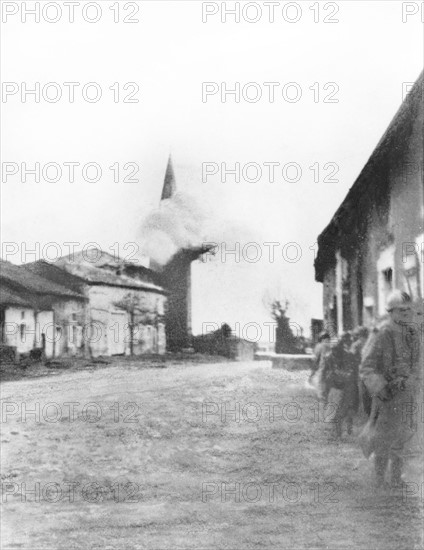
x: 169, y: 53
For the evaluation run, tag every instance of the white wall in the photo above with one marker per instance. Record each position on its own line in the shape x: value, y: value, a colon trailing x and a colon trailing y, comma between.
x: 20, y: 328
x: 110, y: 334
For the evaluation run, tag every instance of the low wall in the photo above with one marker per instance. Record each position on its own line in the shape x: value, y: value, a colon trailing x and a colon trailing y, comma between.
x: 292, y: 362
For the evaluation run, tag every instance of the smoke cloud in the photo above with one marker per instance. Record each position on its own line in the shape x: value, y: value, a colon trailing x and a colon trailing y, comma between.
x: 178, y: 223
x: 181, y: 222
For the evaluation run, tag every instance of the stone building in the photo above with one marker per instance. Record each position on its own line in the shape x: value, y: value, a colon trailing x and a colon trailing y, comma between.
x: 125, y: 308
x: 38, y: 313
x: 175, y: 276
x: 118, y: 307
x: 375, y: 241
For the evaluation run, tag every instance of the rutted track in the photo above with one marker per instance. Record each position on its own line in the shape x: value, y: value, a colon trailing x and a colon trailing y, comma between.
x: 163, y: 466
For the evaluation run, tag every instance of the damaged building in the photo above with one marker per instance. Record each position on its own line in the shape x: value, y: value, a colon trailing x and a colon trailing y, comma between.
x: 96, y: 304
x: 175, y: 276
x: 375, y: 241
x: 124, y: 307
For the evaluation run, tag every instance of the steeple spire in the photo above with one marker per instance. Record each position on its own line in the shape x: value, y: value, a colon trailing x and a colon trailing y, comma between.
x: 169, y: 184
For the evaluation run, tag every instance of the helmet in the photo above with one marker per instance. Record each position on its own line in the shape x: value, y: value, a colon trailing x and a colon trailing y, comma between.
x: 396, y: 299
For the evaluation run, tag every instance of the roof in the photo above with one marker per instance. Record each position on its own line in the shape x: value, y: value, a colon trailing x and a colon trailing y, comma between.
x: 10, y: 297
x: 169, y: 185
x: 98, y: 267
x: 18, y: 276
x: 360, y: 196
x: 55, y: 274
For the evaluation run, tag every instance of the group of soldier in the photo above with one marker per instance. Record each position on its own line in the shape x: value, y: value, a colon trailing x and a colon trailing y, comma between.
x: 379, y: 373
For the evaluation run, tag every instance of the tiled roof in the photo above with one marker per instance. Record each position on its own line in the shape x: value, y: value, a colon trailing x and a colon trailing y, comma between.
x: 103, y: 275
x: 107, y: 270
x: 55, y: 274
x: 10, y: 297
x: 33, y: 283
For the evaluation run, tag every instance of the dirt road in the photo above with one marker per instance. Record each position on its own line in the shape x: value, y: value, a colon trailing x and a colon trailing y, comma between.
x: 222, y: 456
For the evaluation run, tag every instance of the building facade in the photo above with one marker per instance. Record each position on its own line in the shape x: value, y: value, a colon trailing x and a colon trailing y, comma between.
x: 124, y: 308
x: 375, y: 241
x: 175, y: 276
x: 102, y: 305
x: 38, y: 313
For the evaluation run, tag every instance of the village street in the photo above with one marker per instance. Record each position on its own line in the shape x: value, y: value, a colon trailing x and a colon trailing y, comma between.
x: 153, y: 465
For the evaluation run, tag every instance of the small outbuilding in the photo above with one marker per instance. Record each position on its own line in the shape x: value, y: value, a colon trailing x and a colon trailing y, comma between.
x: 38, y: 314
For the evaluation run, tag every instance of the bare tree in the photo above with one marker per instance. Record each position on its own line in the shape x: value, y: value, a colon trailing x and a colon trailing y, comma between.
x: 132, y: 304
x: 285, y: 340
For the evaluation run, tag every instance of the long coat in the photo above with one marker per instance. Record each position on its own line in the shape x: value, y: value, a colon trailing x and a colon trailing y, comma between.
x: 318, y: 374
x: 391, y: 360
x: 319, y: 351
x: 346, y: 396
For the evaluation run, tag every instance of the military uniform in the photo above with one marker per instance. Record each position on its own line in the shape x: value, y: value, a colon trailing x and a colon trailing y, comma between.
x: 364, y: 396
x: 344, y: 380
x: 391, y: 366
x: 321, y: 350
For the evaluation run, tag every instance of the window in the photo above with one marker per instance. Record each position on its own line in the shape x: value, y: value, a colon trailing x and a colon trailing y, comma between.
x: 412, y: 278
x: 149, y: 335
x: 388, y: 277
x: 385, y: 277
x: 22, y: 332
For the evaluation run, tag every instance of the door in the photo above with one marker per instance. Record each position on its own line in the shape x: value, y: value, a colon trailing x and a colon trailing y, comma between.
x: 45, y: 334
x: 118, y: 336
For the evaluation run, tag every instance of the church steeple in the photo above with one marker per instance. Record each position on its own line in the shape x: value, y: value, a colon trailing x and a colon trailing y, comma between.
x: 169, y: 184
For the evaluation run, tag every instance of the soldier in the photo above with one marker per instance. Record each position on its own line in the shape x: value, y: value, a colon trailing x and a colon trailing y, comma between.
x: 413, y: 451
x: 360, y: 337
x: 390, y: 370
x: 321, y: 349
x: 341, y: 375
